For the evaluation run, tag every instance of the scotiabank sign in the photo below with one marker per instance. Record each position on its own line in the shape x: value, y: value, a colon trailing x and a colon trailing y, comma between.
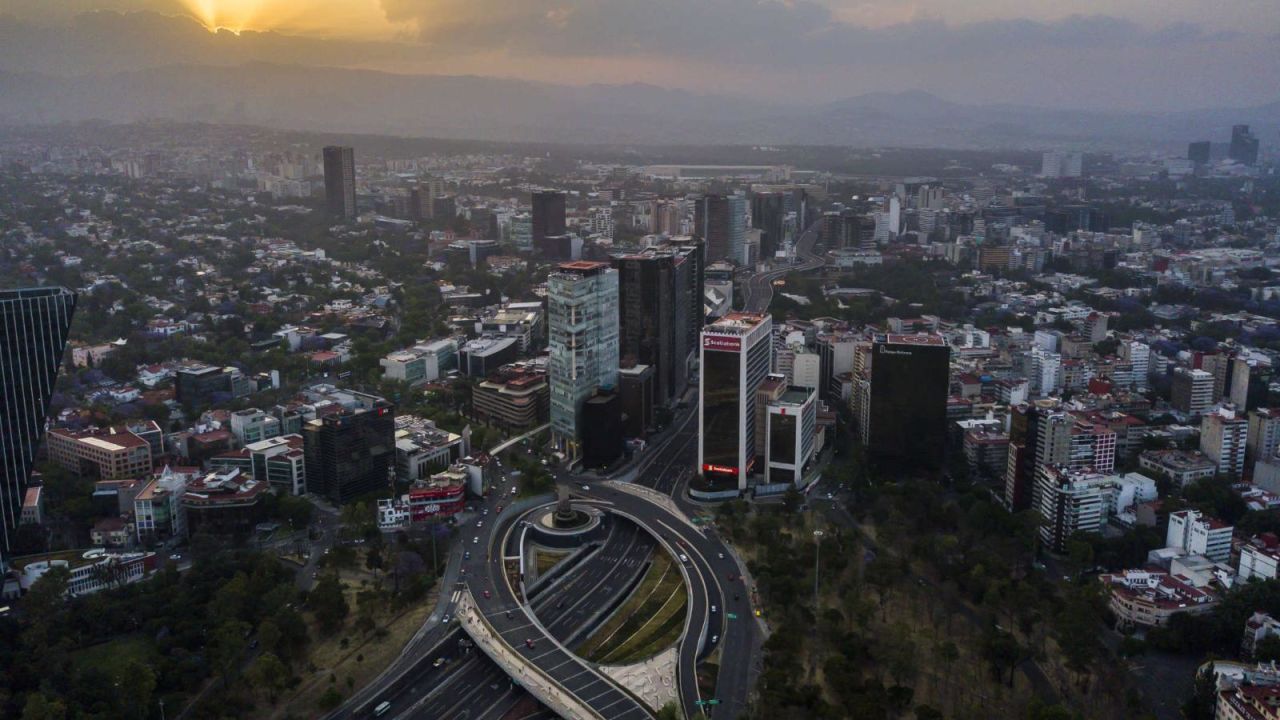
x: 721, y: 342
x: 722, y: 469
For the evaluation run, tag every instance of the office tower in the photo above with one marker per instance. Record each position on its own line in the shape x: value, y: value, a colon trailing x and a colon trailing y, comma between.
x: 1192, y: 391
x: 1244, y: 145
x: 1198, y: 152
x: 655, y: 304
x: 1217, y: 364
x: 721, y: 223
x: 340, y: 181
x: 769, y: 214
x: 1045, y: 371
x: 735, y: 357
x: 548, y: 215
x: 1223, y: 439
x: 34, y: 324
x: 929, y: 198
x: 582, y: 317
x: 857, y: 231
x: 791, y: 425
x: 1060, y: 164
x: 1241, y: 378
x: 351, y: 453
x: 907, y: 413
x: 693, y: 251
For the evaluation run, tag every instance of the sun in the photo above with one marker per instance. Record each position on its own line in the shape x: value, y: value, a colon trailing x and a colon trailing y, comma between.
x: 233, y: 15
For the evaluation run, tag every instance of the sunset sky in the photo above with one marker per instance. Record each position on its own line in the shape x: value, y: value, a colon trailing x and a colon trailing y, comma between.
x: 1102, y: 54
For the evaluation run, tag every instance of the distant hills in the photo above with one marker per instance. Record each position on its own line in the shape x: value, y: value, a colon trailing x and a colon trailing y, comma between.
x: 43, y: 80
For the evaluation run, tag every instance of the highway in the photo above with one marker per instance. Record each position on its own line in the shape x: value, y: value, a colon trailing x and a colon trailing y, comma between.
x: 758, y: 292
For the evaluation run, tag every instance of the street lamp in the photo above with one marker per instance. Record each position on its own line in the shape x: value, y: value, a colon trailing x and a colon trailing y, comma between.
x: 817, y: 553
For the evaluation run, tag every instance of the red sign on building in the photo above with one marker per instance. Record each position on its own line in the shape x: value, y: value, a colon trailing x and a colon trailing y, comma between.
x: 722, y: 342
x: 428, y: 503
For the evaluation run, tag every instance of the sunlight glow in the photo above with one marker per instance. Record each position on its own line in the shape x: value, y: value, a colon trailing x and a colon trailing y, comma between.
x: 233, y: 15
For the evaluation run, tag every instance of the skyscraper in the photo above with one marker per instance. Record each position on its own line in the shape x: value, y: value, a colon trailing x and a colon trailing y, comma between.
x: 582, y: 318
x: 736, y: 353
x: 907, y: 414
x: 721, y: 223
x: 769, y: 214
x: 34, y: 324
x: 352, y: 452
x: 1244, y: 145
x: 655, y: 303
x: 1199, y: 152
x: 340, y: 181
x: 548, y: 215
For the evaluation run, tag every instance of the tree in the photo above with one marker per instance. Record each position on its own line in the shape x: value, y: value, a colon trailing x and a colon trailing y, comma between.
x: 39, y: 707
x: 669, y: 712
x: 269, y: 674
x: 329, y: 699
x: 226, y: 648
x: 328, y: 603
x: 136, y: 684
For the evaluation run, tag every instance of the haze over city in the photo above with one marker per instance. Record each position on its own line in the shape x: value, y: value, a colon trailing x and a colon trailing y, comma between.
x: 639, y: 359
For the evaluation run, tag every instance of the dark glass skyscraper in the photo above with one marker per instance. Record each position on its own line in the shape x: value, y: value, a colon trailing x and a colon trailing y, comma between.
x: 548, y: 218
x: 1244, y: 145
x: 910, y: 378
x: 353, y: 452
x: 34, y: 324
x: 340, y: 181
x: 655, y: 304
x: 768, y: 215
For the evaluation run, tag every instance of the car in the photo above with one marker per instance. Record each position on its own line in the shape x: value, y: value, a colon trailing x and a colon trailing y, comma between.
x: 584, y: 487
x: 720, y: 555
x: 487, y: 595
x: 445, y: 620
x: 714, y: 639
x: 439, y: 661
x: 382, y: 708
x: 175, y: 556
x: 485, y: 512
x: 479, y: 523
x: 466, y: 555
x: 684, y: 558
x: 475, y: 540
x: 528, y: 642
x: 499, y: 510
x: 713, y: 608
x: 513, y: 491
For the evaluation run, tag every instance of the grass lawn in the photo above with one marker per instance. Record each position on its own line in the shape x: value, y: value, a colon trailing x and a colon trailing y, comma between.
x: 109, y: 657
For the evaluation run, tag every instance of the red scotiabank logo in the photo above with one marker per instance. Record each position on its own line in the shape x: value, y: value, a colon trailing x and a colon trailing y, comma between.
x: 708, y: 468
x: 717, y: 342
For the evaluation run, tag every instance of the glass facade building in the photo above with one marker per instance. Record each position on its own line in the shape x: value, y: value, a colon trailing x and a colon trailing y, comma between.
x: 34, y: 325
x: 582, y: 321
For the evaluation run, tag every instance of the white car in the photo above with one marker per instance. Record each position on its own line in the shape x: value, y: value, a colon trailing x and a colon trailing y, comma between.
x: 475, y: 540
x: 479, y: 523
x: 584, y: 487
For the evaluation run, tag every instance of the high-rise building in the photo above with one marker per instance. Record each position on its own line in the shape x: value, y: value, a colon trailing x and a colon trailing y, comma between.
x: 655, y: 306
x: 1264, y: 435
x: 720, y: 221
x: 907, y: 406
x: 1197, y: 534
x: 351, y: 452
x: 1069, y: 502
x: 548, y: 215
x: 736, y: 354
x: 1060, y: 164
x: 340, y: 181
x: 791, y: 422
x: 1020, y: 470
x: 582, y: 315
x: 34, y: 325
x: 1223, y: 439
x: 1244, y: 145
x: 769, y: 215
x: 1192, y: 391
x: 1199, y: 152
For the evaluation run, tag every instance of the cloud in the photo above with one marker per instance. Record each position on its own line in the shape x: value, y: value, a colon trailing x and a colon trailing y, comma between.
x: 772, y: 33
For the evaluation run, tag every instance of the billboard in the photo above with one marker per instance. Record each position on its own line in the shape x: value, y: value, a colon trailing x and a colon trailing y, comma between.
x: 722, y: 342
